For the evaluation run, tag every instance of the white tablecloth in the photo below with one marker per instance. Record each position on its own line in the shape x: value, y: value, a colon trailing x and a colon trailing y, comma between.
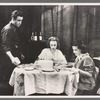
x: 35, y: 81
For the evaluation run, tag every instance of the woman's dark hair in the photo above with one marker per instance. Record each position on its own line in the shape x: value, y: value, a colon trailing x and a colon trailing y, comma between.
x: 16, y: 13
x: 53, y: 39
x: 81, y: 45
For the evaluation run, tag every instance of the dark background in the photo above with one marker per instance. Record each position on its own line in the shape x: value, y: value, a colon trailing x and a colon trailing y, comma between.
x: 68, y: 23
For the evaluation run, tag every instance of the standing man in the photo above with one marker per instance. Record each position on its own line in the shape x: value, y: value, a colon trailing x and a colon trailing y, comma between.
x: 11, y: 44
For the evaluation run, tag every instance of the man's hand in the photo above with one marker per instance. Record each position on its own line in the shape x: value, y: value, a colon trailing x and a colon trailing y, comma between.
x: 15, y: 61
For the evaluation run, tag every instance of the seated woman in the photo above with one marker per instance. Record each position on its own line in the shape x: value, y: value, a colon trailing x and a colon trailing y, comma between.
x: 52, y: 52
x: 86, y: 67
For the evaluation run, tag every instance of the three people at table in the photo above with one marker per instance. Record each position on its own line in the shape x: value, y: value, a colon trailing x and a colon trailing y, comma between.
x: 11, y: 45
x: 86, y: 67
x: 11, y: 48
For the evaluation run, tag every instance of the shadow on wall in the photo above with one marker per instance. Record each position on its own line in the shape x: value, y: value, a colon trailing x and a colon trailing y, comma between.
x: 94, y: 48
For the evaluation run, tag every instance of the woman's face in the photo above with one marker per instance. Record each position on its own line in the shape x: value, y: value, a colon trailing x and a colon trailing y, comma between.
x: 76, y: 51
x: 53, y: 45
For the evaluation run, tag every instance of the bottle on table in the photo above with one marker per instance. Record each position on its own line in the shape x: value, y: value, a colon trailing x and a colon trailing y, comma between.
x: 35, y: 36
x: 40, y: 36
x: 32, y: 36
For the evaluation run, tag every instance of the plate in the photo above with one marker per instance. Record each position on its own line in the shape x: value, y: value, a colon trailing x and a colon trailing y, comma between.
x: 69, y: 69
x: 26, y: 65
x: 69, y: 66
x: 73, y: 70
x: 29, y: 68
x: 21, y: 66
x: 48, y: 70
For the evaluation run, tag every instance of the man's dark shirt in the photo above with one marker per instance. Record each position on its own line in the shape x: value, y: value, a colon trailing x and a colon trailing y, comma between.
x: 10, y: 40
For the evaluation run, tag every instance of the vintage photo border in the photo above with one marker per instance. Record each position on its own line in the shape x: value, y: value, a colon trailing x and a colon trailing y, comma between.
x: 48, y: 97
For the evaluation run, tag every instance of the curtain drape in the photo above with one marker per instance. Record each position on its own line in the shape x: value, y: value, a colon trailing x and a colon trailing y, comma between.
x: 71, y: 23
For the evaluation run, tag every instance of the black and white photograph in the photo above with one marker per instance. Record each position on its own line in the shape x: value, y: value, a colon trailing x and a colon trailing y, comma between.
x: 49, y: 49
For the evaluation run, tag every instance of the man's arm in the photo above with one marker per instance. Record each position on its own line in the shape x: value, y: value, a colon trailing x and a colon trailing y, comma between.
x: 6, y: 45
x: 14, y: 60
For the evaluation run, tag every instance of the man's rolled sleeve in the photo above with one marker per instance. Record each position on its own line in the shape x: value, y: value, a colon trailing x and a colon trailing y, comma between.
x: 6, y: 40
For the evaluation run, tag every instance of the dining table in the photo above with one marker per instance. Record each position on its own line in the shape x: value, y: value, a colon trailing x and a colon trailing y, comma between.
x: 27, y: 80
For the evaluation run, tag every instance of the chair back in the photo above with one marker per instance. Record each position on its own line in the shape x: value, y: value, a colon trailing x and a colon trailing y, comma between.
x: 94, y: 48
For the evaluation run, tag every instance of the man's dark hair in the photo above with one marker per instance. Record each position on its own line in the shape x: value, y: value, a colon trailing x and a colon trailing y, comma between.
x: 16, y: 13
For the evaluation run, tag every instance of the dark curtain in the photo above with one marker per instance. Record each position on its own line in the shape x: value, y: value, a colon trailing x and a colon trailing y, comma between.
x: 71, y: 23
x: 58, y: 21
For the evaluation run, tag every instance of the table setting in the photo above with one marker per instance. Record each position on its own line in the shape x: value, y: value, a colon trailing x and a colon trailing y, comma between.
x: 44, y: 77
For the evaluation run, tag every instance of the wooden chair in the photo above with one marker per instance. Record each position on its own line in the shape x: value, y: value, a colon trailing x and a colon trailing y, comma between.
x: 94, y: 49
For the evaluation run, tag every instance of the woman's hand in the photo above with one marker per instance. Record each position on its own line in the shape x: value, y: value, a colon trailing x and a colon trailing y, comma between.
x: 58, y: 62
x: 85, y: 73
